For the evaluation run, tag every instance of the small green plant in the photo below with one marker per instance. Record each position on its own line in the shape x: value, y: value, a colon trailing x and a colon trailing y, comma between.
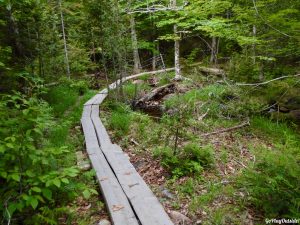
x: 81, y: 86
x: 120, y: 119
x: 192, y: 159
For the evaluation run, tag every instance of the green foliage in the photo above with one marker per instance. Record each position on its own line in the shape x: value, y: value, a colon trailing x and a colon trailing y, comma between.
x: 191, y: 159
x: 32, y: 172
x: 64, y: 95
x: 120, y: 119
x: 243, y: 69
x: 61, y: 98
x: 275, y: 176
x: 278, y: 132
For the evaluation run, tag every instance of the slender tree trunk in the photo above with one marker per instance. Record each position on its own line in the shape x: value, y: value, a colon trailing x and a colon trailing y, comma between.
x: 65, y: 40
x: 254, y: 45
x: 176, y: 47
x: 177, y: 55
x: 136, y: 57
x: 93, y: 47
x: 14, y: 32
x: 213, y: 56
x: 155, y: 56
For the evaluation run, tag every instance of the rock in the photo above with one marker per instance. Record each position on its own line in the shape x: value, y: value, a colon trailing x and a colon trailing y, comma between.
x: 82, y: 161
x: 78, y: 127
x: 295, y: 114
x: 139, y: 164
x: 179, y: 219
x: 166, y: 193
x: 104, y: 222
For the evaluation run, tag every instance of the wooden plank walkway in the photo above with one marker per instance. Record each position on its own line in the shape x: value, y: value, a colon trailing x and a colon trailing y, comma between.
x: 128, y: 198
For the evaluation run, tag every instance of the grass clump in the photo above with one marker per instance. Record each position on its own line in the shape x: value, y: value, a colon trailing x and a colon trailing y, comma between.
x: 120, y: 119
x: 191, y: 159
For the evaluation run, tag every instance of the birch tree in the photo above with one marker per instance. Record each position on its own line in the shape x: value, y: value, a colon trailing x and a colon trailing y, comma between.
x: 136, y: 57
x: 65, y: 40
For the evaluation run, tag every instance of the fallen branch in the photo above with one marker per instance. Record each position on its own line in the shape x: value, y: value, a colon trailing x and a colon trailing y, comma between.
x: 214, y: 71
x: 51, y: 84
x: 269, y: 81
x: 227, y: 129
x: 200, y: 118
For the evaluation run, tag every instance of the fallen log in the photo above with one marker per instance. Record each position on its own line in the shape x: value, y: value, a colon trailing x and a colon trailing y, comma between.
x: 214, y: 71
x: 158, y: 93
x: 150, y: 103
x: 227, y: 129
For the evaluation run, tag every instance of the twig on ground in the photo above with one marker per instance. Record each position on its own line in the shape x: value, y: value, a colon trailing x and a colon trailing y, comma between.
x: 227, y: 129
x: 242, y: 164
x: 200, y: 118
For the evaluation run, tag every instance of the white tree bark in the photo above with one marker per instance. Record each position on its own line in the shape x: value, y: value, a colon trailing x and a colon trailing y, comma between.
x: 136, y: 57
x: 65, y: 40
x: 177, y: 55
x: 176, y: 48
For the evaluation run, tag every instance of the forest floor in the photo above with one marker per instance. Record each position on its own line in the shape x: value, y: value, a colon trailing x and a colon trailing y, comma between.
x: 195, y: 172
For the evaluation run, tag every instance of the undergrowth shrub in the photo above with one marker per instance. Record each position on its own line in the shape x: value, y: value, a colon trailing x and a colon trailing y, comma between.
x: 273, y: 183
x: 120, y: 119
x: 191, y: 159
x: 64, y: 95
x: 32, y: 175
x: 36, y: 182
x: 61, y: 98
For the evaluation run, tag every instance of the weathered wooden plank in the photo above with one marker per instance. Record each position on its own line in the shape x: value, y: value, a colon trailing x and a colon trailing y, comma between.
x: 90, y: 102
x: 90, y: 137
x: 104, y: 91
x: 87, y: 110
x: 114, y: 170
x: 99, y: 98
x: 118, y: 205
x: 146, y: 206
x: 103, y: 137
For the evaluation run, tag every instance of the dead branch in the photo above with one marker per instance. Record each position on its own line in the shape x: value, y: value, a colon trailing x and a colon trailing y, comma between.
x: 269, y: 81
x: 200, y: 118
x: 227, y: 129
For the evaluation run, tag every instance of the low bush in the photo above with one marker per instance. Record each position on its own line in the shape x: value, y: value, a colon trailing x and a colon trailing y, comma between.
x: 273, y: 183
x: 120, y: 119
x: 32, y: 174
x: 189, y: 160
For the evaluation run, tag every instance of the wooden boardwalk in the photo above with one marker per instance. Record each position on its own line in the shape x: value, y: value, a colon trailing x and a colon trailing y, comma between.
x: 128, y: 198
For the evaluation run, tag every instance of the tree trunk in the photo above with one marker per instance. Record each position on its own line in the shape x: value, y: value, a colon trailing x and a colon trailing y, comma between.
x: 14, y: 32
x: 65, y: 40
x: 214, y: 46
x: 155, y: 56
x: 254, y: 45
x: 177, y: 55
x: 136, y: 57
x: 176, y: 47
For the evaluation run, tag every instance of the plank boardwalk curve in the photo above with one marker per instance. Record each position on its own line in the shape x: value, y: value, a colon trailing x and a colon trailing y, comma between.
x: 128, y: 198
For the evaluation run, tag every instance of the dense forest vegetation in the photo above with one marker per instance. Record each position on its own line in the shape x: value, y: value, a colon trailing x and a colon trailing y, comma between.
x: 221, y: 146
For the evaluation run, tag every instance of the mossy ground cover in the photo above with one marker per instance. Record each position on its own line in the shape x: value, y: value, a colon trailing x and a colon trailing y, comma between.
x: 236, y: 177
